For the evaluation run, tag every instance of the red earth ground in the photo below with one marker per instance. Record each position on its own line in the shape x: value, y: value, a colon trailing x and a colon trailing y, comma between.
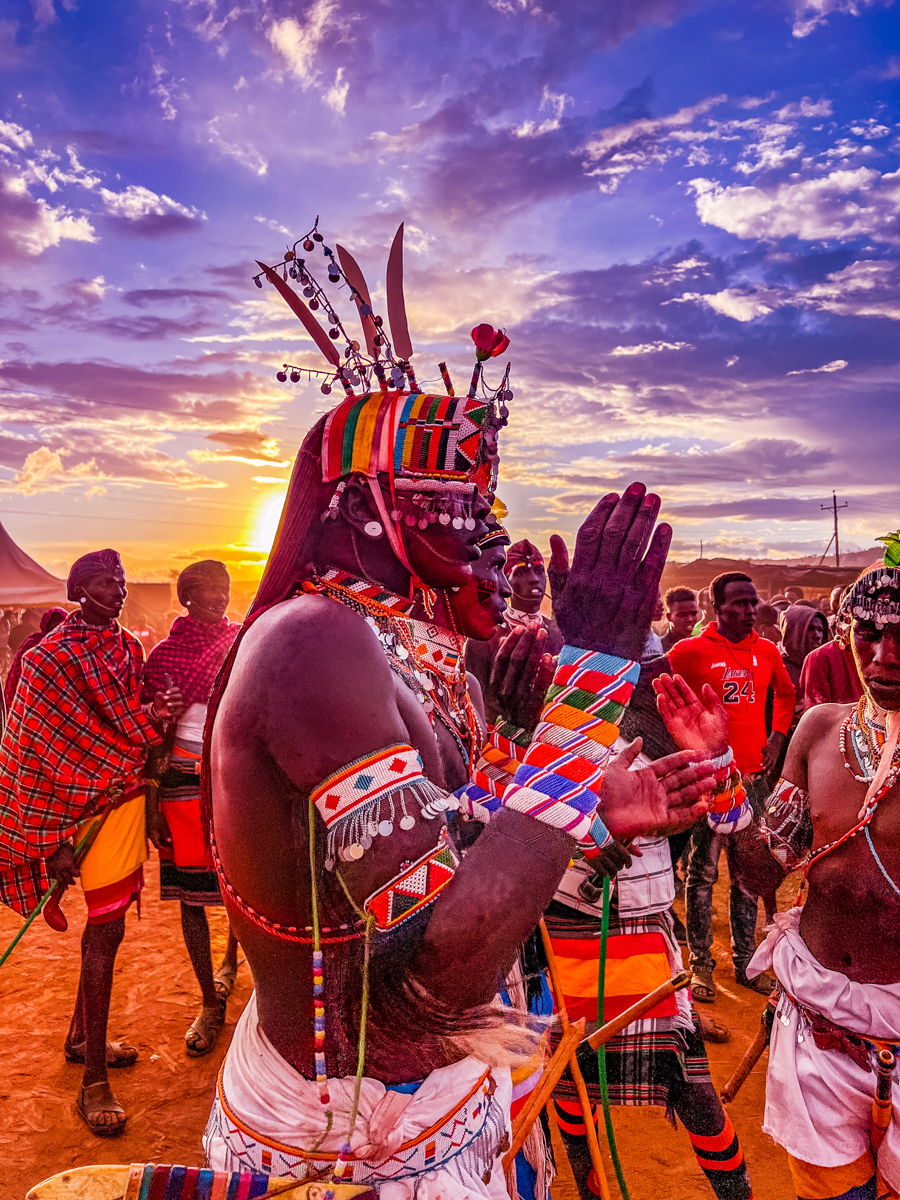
x: 167, y: 1095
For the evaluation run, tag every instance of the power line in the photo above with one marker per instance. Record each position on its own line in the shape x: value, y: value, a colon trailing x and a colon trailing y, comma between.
x: 834, y: 507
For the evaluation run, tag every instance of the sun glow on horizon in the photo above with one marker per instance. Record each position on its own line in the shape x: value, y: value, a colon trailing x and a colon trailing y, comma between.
x: 265, y: 526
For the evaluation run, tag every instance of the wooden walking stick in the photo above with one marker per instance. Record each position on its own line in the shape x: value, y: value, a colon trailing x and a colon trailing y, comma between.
x: 614, y: 1027
x: 544, y: 1090
x: 56, y: 888
x: 881, y: 1102
x: 752, y: 1057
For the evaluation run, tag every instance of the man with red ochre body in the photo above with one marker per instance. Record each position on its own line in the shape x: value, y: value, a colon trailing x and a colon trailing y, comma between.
x: 76, y: 747
x: 739, y: 666
x: 527, y: 577
x: 349, y: 669
x: 835, y: 813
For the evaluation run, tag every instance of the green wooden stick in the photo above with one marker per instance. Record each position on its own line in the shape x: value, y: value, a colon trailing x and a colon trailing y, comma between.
x: 81, y: 849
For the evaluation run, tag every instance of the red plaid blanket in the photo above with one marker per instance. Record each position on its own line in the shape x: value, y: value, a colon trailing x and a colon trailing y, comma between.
x: 76, y: 741
x: 192, y: 655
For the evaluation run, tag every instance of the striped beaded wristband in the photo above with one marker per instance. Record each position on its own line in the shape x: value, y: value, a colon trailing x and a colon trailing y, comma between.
x: 560, y: 777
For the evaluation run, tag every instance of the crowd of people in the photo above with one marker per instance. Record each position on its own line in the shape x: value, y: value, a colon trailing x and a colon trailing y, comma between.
x: 422, y: 797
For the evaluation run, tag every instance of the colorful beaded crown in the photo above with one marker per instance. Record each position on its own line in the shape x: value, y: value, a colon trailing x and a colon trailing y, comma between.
x: 387, y: 424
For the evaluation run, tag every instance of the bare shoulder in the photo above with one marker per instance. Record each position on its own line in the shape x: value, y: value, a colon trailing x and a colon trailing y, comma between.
x: 817, y: 729
x: 311, y: 686
x: 306, y: 640
x: 821, y: 721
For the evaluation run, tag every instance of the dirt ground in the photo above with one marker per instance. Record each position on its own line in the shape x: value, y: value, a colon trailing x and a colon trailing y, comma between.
x: 167, y: 1095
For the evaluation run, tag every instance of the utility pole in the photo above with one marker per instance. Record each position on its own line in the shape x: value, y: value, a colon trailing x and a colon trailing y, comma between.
x: 834, y: 507
x: 701, y: 547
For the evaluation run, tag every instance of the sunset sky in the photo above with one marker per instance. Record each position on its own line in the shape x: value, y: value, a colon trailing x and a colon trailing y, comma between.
x: 686, y: 216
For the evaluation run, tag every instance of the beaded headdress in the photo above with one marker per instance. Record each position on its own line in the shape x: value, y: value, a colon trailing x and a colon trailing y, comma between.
x: 426, y: 450
x: 866, y: 599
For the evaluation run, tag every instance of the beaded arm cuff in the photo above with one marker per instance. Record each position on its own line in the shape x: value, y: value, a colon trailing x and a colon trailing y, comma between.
x: 787, y: 825
x: 494, y: 771
x: 358, y: 802
x: 731, y: 811
x: 560, y: 776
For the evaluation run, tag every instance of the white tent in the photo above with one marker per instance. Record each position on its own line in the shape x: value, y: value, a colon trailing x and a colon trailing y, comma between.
x: 23, y: 581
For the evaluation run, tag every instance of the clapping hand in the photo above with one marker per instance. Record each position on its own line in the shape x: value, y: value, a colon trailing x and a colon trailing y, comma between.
x: 520, y: 675
x: 605, y: 600
x: 693, y: 723
x: 668, y: 795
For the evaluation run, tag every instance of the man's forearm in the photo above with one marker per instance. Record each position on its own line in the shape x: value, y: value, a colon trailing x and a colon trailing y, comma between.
x: 495, y: 900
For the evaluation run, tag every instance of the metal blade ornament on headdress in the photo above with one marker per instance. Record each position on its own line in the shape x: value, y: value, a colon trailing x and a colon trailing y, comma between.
x: 396, y: 302
x: 357, y: 281
x: 296, y: 305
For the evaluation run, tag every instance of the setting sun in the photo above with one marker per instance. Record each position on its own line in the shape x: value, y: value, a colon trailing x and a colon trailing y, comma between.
x: 266, y: 524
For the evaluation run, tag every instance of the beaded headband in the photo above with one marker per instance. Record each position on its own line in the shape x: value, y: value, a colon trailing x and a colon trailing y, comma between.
x: 867, y: 601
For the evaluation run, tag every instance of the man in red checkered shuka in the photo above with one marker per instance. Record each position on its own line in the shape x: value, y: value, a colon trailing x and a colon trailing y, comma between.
x: 75, y: 750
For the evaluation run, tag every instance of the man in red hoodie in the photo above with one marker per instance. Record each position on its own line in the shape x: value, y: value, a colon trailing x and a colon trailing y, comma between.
x: 740, y: 667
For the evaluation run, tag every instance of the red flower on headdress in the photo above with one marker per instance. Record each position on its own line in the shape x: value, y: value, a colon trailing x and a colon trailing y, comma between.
x: 489, y: 342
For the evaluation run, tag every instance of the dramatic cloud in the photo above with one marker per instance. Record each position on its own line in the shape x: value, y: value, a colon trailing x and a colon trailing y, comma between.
x: 844, y: 205
x: 139, y: 212
x: 29, y: 226
x: 700, y: 282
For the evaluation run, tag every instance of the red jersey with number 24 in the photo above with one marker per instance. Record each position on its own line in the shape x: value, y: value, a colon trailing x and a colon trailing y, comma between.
x: 740, y: 673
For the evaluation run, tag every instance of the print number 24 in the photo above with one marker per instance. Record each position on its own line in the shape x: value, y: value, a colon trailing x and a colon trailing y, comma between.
x: 734, y: 691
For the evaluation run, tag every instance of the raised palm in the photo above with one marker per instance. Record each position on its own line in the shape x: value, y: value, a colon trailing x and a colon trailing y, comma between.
x: 693, y: 723
x: 664, y: 797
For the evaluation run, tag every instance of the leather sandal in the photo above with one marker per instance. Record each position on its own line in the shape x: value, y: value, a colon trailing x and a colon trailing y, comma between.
x: 101, y: 1129
x: 118, y: 1054
x: 204, y: 1031
x: 702, y: 987
x: 763, y: 984
x: 712, y: 1030
x: 224, y: 980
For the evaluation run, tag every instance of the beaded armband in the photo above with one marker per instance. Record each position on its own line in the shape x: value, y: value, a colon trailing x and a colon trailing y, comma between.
x: 787, y: 825
x: 416, y: 886
x: 731, y: 811
x: 561, y: 774
x: 359, y: 802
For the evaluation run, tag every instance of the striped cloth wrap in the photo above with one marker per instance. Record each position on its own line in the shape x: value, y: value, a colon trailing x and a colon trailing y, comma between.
x: 557, y: 777
x: 147, y: 1181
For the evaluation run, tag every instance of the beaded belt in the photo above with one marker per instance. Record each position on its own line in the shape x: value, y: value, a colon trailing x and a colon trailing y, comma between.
x: 146, y: 1180
x: 827, y: 1035
x: 477, y: 1125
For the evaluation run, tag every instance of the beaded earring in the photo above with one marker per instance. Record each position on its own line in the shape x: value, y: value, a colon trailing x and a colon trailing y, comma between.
x: 372, y: 529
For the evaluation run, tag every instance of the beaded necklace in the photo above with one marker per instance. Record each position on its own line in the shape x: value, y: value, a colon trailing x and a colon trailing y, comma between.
x: 428, y: 658
x: 866, y: 730
x: 867, y: 735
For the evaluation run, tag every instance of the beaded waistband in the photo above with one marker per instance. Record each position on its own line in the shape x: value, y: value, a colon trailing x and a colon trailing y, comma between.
x: 329, y: 1156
